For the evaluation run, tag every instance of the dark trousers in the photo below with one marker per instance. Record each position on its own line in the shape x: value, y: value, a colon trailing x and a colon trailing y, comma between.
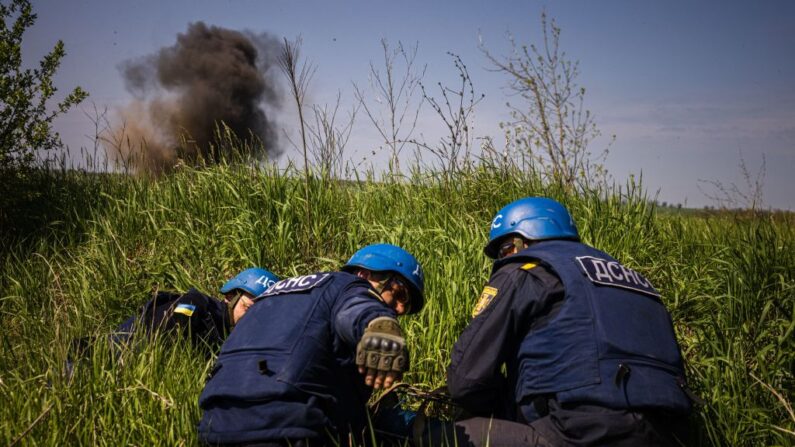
x: 481, y: 431
x: 278, y: 443
x: 579, y: 425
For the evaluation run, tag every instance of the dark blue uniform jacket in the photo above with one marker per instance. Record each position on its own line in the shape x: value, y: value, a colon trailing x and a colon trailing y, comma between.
x: 287, y: 371
x: 193, y: 314
x: 570, y: 323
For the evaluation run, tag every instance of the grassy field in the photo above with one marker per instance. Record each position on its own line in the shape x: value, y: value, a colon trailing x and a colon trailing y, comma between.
x: 86, y: 250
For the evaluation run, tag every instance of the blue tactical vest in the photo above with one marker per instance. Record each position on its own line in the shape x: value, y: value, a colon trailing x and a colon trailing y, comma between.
x: 612, y: 342
x: 283, y: 373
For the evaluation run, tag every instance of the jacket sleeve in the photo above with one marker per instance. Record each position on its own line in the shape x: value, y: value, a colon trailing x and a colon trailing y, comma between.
x: 357, y: 306
x: 474, y: 377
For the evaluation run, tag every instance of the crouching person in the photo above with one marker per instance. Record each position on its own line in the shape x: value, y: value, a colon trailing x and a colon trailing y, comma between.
x: 587, y: 344
x: 299, y: 368
x: 199, y: 317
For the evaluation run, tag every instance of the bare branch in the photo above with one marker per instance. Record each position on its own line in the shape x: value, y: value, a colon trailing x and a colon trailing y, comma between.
x: 299, y: 76
x: 749, y: 196
x: 455, y: 108
x: 328, y: 139
x: 396, y: 110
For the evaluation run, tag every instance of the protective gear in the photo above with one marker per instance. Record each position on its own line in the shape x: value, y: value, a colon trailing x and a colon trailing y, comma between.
x: 255, y: 281
x: 383, y: 347
x: 534, y: 218
x: 387, y: 257
x: 611, y: 343
x: 288, y: 369
x: 591, y: 355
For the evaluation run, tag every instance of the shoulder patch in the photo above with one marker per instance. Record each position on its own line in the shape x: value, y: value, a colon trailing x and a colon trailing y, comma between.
x: 529, y: 265
x: 296, y: 284
x: 611, y: 273
x: 486, y: 297
x: 185, y: 309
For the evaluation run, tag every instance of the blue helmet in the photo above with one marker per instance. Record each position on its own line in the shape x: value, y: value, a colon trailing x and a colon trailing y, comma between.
x: 255, y: 281
x: 387, y: 257
x: 534, y: 218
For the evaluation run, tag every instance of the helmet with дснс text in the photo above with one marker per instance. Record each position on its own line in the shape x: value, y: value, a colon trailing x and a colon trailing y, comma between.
x: 255, y: 281
x: 534, y: 218
x: 388, y: 257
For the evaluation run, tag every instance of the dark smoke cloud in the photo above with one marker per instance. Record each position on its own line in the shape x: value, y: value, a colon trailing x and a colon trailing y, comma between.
x: 211, y: 75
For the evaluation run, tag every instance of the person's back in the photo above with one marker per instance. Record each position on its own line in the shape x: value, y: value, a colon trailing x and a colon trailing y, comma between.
x: 589, y: 348
x: 610, y: 324
x: 300, y: 365
x: 294, y: 355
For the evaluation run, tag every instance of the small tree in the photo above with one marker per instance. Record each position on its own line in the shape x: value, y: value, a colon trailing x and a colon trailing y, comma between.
x: 394, y: 91
x: 456, y: 107
x: 25, y: 121
x: 550, y: 122
x: 328, y: 138
x: 748, y: 196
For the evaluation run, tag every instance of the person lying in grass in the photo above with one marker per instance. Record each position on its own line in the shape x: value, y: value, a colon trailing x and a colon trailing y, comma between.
x: 199, y: 317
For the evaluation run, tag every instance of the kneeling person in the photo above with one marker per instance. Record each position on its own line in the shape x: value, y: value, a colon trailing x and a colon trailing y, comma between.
x: 588, y: 346
x: 292, y: 369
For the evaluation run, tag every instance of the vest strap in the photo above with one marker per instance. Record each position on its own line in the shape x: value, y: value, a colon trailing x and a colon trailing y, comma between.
x: 621, y: 374
x: 690, y: 394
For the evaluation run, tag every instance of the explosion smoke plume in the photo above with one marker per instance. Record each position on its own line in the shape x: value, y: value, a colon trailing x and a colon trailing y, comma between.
x: 184, y: 92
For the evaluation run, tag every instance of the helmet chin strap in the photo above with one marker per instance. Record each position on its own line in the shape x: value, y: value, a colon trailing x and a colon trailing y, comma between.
x: 381, y: 285
x: 230, y: 306
x: 377, y: 286
x: 519, y: 243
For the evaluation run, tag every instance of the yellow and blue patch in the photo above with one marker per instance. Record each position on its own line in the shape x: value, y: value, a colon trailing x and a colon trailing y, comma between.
x: 486, y: 297
x: 185, y: 309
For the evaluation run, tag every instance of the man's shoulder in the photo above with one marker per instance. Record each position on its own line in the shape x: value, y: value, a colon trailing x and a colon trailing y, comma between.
x: 194, y: 301
x: 358, y: 294
x: 305, y: 283
x: 525, y: 269
x: 196, y: 297
x: 522, y: 266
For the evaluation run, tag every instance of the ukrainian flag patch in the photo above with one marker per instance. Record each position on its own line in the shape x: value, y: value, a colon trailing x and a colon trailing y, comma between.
x: 185, y: 309
x: 486, y: 297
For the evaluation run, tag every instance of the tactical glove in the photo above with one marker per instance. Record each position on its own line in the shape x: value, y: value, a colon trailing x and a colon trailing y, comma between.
x: 381, y: 353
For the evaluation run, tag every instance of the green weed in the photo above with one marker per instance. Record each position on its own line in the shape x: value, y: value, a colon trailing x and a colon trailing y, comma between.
x: 99, y: 253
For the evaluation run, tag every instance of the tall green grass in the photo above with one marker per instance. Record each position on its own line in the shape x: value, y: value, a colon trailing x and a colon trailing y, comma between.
x: 728, y: 280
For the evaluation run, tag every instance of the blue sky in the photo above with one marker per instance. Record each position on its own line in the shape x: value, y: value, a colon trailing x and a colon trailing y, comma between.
x: 686, y: 87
